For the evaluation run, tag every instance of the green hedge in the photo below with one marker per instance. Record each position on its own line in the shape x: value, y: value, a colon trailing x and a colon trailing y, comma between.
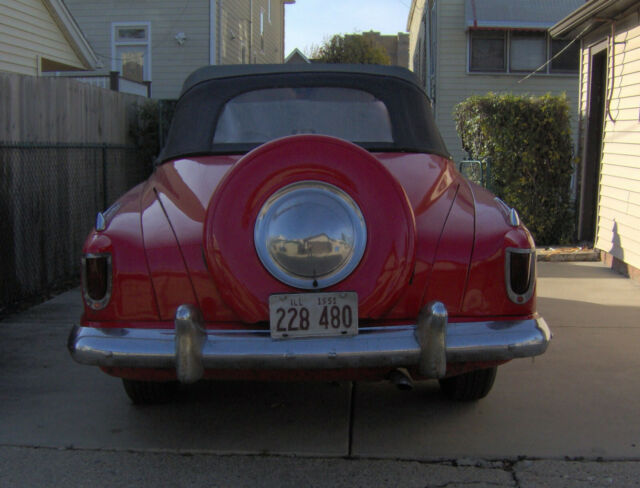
x: 149, y: 127
x: 528, y: 141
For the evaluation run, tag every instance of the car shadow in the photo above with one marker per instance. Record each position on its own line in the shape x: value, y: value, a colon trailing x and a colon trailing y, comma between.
x: 559, y: 312
x: 245, y: 417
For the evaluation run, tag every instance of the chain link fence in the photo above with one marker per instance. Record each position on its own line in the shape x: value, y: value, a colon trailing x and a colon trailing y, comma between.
x: 49, y: 197
x: 477, y: 171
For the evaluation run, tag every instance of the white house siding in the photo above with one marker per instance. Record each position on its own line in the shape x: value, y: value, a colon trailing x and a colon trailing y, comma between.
x: 454, y: 84
x: 618, y: 227
x: 27, y: 32
x: 170, y: 62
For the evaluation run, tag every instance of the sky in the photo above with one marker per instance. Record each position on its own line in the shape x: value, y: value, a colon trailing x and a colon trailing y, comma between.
x: 311, y: 22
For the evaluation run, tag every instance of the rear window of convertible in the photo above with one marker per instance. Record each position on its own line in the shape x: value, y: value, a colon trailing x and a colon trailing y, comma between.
x: 262, y: 115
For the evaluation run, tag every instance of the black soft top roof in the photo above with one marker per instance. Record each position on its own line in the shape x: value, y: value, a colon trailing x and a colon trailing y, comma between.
x: 206, y: 91
x: 232, y: 70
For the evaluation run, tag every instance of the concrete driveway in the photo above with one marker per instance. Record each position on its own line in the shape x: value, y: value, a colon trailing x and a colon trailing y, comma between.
x: 572, y: 411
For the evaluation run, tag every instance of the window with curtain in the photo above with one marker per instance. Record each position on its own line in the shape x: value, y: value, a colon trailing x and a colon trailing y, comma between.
x: 527, y: 51
x: 520, y: 51
x: 487, y: 51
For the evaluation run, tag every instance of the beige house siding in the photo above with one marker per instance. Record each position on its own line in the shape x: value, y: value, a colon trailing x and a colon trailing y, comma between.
x: 170, y: 62
x: 241, y: 38
x: 237, y: 28
x: 583, y: 95
x: 618, y: 226
x: 416, y: 33
x: 454, y: 84
x: 27, y: 33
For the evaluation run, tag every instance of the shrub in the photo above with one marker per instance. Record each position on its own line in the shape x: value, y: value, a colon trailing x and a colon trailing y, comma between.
x: 150, y: 126
x: 528, y: 141
x: 352, y: 48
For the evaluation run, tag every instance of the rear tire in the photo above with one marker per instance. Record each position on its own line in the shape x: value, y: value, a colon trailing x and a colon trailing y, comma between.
x: 150, y: 392
x: 469, y: 386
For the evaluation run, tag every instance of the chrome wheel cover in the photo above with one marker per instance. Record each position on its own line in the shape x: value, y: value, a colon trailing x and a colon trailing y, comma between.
x: 310, y: 235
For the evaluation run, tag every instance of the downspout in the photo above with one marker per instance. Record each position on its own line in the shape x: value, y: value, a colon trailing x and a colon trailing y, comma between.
x: 250, y: 30
x: 475, y: 16
x: 427, y: 50
x: 283, y: 30
x: 610, y: 86
x: 213, y: 31
x: 219, y: 33
x: 612, y: 44
x: 433, y: 27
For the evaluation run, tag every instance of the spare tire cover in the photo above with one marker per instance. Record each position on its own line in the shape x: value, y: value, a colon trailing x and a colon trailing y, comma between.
x: 388, y: 260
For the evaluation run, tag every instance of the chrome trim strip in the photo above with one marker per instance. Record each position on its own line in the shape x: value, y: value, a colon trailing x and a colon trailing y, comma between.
x: 390, y: 346
x: 510, y: 213
x: 503, y: 204
x: 101, y: 222
x: 514, y: 218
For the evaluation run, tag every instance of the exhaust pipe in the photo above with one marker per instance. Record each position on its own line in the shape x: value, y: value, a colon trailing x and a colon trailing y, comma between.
x: 401, y: 378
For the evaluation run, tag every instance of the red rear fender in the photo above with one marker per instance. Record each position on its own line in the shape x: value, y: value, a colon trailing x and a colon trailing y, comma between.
x: 132, y: 293
x: 486, y: 292
x: 174, y: 211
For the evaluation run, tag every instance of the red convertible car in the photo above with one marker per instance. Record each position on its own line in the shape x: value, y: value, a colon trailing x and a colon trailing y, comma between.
x: 306, y: 223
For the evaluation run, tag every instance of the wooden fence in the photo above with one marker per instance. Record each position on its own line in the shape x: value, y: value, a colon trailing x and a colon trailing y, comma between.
x: 60, y: 110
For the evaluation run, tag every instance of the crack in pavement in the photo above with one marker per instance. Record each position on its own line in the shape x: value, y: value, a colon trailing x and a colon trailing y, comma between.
x: 17, y: 461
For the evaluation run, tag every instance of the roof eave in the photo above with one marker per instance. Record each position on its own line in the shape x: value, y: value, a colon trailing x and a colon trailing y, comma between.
x: 72, y: 32
x: 412, y: 9
x: 497, y: 25
x: 576, y: 22
x: 300, y: 53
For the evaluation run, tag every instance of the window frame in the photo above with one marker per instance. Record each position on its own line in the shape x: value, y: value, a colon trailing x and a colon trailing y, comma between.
x: 116, y: 63
x: 262, y: 25
x: 505, y: 47
x: 538, y: 35
x: 557, y: 71
x: 547, y: 71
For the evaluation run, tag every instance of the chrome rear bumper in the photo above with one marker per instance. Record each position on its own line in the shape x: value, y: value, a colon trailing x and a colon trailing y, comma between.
x: 429, y: 344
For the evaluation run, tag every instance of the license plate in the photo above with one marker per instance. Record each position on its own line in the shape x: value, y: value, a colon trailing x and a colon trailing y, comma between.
x: 313, y: 314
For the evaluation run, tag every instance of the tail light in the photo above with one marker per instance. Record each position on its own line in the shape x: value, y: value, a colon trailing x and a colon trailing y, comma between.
x: 520, y: 274
x: 96, y: 280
